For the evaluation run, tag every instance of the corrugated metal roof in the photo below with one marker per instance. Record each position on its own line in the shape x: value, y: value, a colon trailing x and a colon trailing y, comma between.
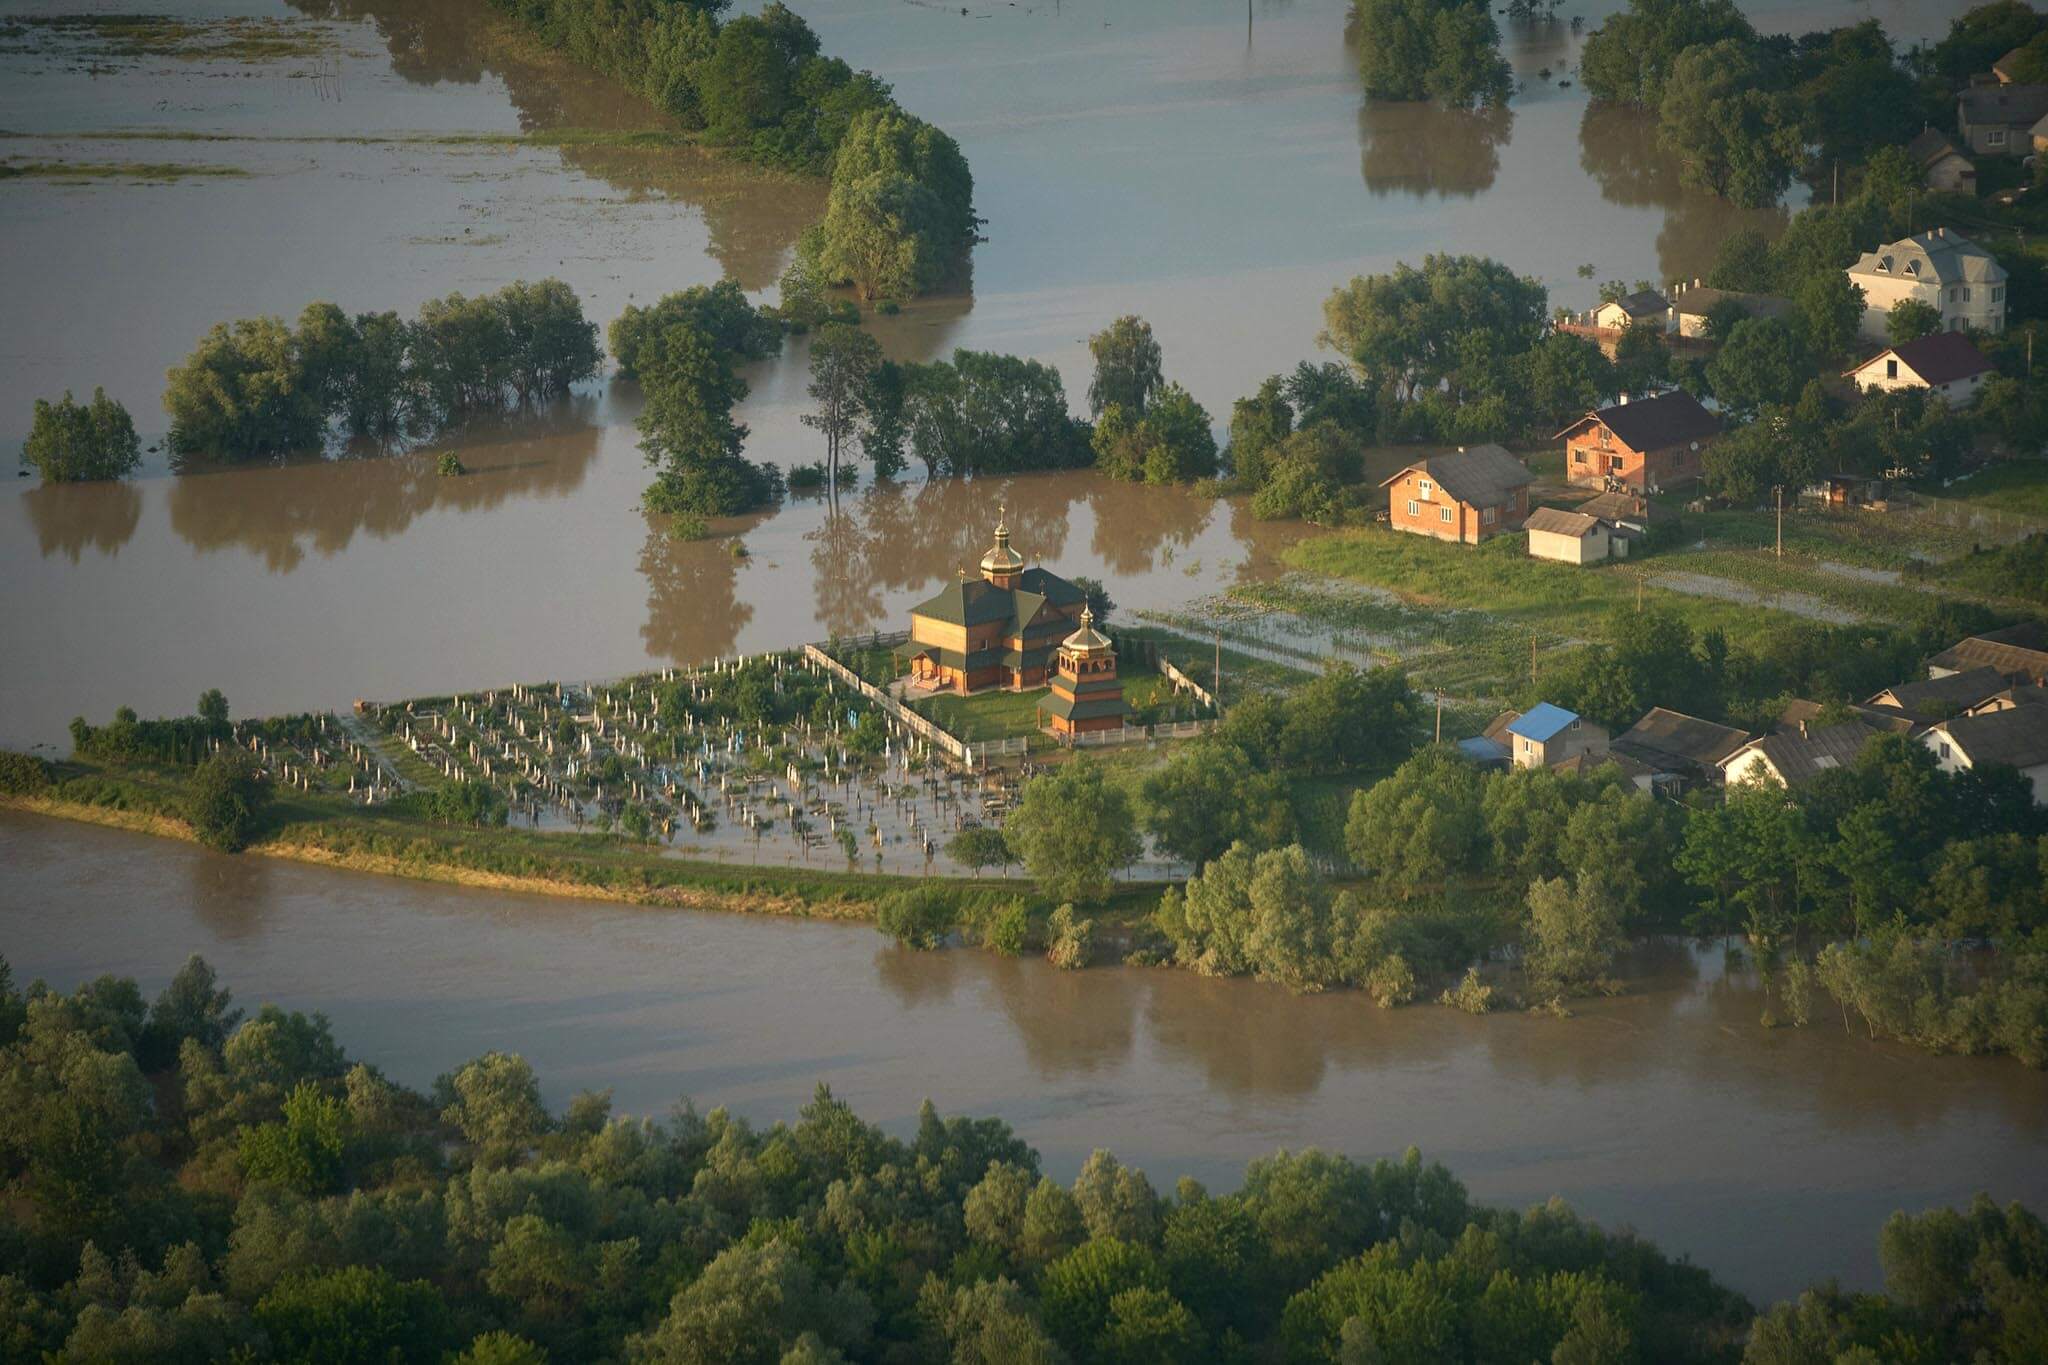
x: 1542, y: 722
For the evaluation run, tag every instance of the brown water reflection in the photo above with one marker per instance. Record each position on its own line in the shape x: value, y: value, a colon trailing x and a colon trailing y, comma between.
x: 71, y: 518
x: 281, y: 514
x: 1426, y: 150
x: 1770, y: 1157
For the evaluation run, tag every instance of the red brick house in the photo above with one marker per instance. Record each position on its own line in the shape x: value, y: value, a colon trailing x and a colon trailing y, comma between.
x: 1466, y: 496
x: 1649, y: 445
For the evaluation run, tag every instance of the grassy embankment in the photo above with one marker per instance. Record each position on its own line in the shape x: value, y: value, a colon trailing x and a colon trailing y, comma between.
x: 333, y: 832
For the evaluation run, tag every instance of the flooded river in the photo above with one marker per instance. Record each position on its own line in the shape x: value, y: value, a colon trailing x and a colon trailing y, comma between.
x: 1770, y: 1157
x: 1212, y: 171
x: 1215, y: 175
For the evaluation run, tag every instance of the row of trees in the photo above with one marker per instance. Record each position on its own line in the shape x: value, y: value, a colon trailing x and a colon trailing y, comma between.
x: 1743, y: 113
x: 256, y: 387
x: 187, y: 1182
x: 899, y: 218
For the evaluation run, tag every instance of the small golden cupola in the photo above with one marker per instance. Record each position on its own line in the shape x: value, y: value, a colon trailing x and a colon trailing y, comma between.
x: 1087, y: 642
x: 1086, y: 693
x: 1002, y: 565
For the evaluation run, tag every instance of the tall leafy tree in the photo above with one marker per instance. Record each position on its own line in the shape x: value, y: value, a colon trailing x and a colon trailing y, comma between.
x: 1073, y: 828
x: 1443, y: 50
x: 70, y: 441
x: 1127, y: 367
x: 843, y: 364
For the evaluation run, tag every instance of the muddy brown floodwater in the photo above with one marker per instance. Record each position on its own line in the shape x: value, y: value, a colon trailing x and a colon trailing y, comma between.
x: 1162, y: 157
x: 1769, y: 1157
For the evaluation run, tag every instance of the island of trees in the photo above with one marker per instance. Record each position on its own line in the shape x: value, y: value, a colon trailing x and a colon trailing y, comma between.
x: 189, y: 1181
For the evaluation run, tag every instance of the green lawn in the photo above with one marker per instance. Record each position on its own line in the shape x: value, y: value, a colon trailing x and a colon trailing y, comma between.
x: 984, y: 717
x: 2017, y: 486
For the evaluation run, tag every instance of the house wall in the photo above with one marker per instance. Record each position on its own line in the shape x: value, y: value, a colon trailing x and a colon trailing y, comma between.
x: 1877, y: 375
x: 1982, y: 311
x: 1444, y: 517
x: 1569, y: 549
x: 1951, y: 759
x: 1590, y: 463
x: 1953, y: 174
x: 1996, y: 139
x: 1750, y: 766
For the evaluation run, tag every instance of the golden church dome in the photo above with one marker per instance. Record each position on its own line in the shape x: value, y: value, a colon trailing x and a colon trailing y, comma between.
x: 1001, y: 559
x: 1087, y: 640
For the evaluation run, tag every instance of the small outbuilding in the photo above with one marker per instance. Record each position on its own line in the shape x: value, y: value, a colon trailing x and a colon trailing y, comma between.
x: 1645, y: 306
x: 1941, y: 163
x: 1572, y: 537
x: 1546, y: 735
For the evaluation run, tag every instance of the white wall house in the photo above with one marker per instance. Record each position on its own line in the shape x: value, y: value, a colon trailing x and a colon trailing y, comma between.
x: 1946, y: 364
x: 2017, y: 737
x: 1572, y: 537
x: 1942, y: 269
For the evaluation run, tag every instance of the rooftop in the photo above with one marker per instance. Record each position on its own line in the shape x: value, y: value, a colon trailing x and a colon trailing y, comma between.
x: 1644, y: 303
x: 1802, y: 757
x: 1483, y: 476
x: 1929, y: 147
x: 1542, y: 722
x: 2018, y: 736
x: 2002, y: 103
x: 1680, y: 736
x: 2017, y: 651
x: 1938, y: 358
x: 1561, y: 523
x: 1934, y: 698
x: 1701, y: 300
x: 1668, y: 419
x: 1935, y: 255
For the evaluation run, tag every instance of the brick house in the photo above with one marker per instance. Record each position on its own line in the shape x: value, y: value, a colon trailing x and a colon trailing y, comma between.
x: 1466, y: 496
x: 1647, y: 445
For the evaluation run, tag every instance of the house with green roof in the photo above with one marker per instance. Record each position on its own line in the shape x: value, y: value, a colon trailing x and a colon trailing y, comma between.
x: 1001, y: 630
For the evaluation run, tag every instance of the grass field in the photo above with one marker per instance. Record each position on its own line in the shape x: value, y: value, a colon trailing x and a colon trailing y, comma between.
x: 2017, y: 486
x: 984, y: 717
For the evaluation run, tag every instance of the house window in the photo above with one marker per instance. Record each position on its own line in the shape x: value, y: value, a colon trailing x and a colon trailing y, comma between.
x: 1994, y: 137
x: 1606, y: 438
x: 1578, y: 455
x: 1966, y: 293
x: 1885, y: 265
x: 1951, y: 293
x: 1422, y: 487
x: 1443, y: 514
x: 1998, y: 293
x: 1490, y: 515
x: 1891, y: 369
x: 1414, y: 509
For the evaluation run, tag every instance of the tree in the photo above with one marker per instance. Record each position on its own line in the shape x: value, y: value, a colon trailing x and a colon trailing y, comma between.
x: 213, y: 709
x: 1208, y: 796
x: 1761, y: 362
x: 1098, y: 599
x: 920, y: 917
x: 353, y: 1314
x: 749, y: 1306
x: 494, y: 1102
x: 1127, y: 367
x: 720, y: 311
x: 987, y: 413
x: 302, y: 1151
x: 1072, y: 829
x: 1734, y: 135
x: 1170, y: 443
x: 1980, y: 37
x: 70, y: 441
x: 223, y: 800
x: 242, y: 393
x: 900, y: 213
x: 1566, y: 376
x: 688, y: 432
x: 883, y: 428
x: 1077, y: 1290
x: 843, y: 364
x: 549, y: 346
x: 1448, y: 322
x: 1445, y: 50
x: 980, y: 846
x: 1830, y: 313
x: 1628, y: 59
x: 1909, y: 320
x: 1571, y: 934
x: 1421, y: 826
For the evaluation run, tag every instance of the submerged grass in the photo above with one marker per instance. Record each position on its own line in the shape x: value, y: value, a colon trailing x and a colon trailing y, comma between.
x: 114, y: 36
x: 158, y: 172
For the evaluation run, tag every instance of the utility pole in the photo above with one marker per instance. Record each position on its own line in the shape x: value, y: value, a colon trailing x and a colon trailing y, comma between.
x: 1532, y: 658
x: 1837, y: 193
x: 1439, y: 715
x: 1216, y: 676
x: 1778, y: 493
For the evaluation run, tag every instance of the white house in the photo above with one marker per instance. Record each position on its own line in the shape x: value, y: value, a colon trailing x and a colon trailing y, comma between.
x: 1790, y: 759
x: 1942, y: 269
x: 2016, y: 737
x: 1947, y: 364
x: 1572, y: 537
x: 1645, y: 305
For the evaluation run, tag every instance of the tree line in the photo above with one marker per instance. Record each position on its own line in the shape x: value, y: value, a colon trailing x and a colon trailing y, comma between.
x: 256, y: 387
x: 188, y: 1181
x: 899, y: 219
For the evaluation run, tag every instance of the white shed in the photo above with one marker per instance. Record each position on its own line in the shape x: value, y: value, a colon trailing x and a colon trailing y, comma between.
x: 1572, y: 537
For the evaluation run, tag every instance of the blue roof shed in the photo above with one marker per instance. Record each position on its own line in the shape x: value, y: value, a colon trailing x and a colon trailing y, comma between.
x: 1542, y: 722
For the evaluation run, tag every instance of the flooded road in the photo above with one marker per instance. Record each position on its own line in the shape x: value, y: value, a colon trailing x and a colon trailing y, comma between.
x: 1770, y: 1157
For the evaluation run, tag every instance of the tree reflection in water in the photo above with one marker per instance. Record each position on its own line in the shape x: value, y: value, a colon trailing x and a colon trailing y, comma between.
x: 1423, y: 149
x: 694, y: 611
x: 71, y: 518
x: 753, y: 218
x: 1618, y: 147
x: 280, y: 513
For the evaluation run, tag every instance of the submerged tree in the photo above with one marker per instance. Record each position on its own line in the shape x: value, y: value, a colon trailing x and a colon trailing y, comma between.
x: 70, y: 441
x: 1444, y: 50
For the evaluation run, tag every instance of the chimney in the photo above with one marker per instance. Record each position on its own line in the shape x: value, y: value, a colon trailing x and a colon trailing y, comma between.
x: 1624, y: 401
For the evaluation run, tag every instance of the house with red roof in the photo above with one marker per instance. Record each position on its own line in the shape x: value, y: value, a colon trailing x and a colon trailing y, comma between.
x: 1946, y: 364
x: 1647, y: 445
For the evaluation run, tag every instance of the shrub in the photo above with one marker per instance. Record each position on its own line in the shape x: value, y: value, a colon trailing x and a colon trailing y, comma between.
x: 1391, y: 982
x: 69, y: 440
x: 1470, y: 995
x: 1009, y: 930
x: 1072, y: 940
x: 222, y: 802
x: 23, y: 774
x: 919, y: 918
